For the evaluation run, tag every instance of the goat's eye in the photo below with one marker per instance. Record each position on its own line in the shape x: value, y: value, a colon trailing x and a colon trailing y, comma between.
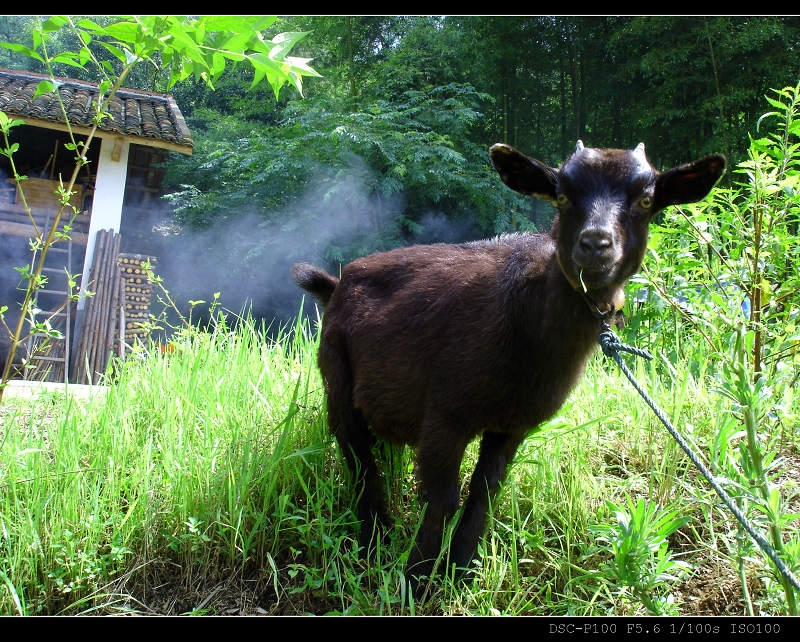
x: 562, y: 199
x: 646, y: 202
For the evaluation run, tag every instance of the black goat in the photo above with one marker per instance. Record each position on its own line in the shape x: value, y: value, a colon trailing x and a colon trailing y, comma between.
x: 433, y: 345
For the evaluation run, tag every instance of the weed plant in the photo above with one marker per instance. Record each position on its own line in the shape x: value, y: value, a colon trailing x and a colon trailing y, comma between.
x: 726, y: 270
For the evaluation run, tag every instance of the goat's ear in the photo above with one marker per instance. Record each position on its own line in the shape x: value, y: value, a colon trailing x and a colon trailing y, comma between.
x: 688, y: 183
x: 522, y: 173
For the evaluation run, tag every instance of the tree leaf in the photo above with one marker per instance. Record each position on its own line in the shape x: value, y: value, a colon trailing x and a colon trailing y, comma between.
x: 300, y: 65
x: 25, y: 51
x: 284, y: 42
x: 246, y: 24
x: 115, y: 51
x: 129, y: 32
x: 91, y: 25
x: 84, y: 55
x: 218, y: 64
x: 67, y: 59
x: 44, y: 87
x: 54, y: 23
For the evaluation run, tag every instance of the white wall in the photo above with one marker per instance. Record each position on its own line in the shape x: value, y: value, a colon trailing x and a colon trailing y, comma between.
x: 107, y: 203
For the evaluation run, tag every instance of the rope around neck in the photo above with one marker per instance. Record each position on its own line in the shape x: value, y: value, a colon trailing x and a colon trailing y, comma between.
x: 612, y: 346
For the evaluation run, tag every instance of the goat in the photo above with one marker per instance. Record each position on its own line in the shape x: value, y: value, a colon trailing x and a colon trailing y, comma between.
x: 434, y: 345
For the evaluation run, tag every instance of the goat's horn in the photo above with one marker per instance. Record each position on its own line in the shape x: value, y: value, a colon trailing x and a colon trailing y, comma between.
x: 639, y: 150
x: 578, y: 146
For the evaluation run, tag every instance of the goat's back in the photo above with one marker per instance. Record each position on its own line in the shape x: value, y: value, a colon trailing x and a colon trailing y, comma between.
x: 456, y: 331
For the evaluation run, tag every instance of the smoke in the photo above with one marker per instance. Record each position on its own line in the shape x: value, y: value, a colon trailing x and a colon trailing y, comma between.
x: 247, y: 256
x: 435, y: 227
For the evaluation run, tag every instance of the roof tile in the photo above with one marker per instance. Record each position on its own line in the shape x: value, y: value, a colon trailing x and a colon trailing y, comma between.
x: 134, y: 113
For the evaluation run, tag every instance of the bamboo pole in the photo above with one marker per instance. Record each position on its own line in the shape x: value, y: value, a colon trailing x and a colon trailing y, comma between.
x: 105, y: 302
x: 86, y: 330
x: 99, y: 303
x: 100, y: 245
x: 113, y: 283
x: 102, y: 318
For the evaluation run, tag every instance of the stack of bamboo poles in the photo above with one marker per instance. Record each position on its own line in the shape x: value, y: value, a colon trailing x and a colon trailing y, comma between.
x: 138, y: 291
x: 101, y: 320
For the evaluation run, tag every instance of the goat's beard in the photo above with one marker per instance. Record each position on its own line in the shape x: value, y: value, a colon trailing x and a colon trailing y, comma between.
x: 588, y: 278
x: 595, y: 279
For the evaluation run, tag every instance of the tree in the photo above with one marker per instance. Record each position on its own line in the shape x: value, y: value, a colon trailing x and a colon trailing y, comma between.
x: 696, y: 84
x: 328, y: 183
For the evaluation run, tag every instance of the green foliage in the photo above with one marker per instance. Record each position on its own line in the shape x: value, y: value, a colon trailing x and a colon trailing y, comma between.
x: 731, y: 260
x: 333, y: 184
x: 76, y: 499
x: 727, y: 267
x: 639, y: 550
x: 201, y: 47
x: 695, y: 96
x: 211, y: 462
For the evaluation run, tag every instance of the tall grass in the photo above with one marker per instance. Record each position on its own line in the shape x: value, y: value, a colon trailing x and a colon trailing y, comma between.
x: 209, y: 469
x: 193, y: 456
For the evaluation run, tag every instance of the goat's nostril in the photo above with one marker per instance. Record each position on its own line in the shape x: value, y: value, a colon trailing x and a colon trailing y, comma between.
x: 595, y: 241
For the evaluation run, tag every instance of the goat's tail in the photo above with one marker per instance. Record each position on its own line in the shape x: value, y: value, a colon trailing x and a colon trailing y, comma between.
x: 314, y: 280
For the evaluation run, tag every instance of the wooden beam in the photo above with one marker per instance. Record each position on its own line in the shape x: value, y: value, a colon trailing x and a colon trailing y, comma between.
x: 117, y: 151
x: 84, y: 131
x: 28, y: 231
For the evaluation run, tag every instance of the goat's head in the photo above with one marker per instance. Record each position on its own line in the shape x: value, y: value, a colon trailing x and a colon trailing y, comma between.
x: 606, y: 199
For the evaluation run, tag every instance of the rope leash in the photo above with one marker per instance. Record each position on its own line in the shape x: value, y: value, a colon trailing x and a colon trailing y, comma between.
x: 612, y: 346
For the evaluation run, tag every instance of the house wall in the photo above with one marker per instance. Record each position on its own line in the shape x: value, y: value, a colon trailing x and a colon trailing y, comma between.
x: 109, y: 194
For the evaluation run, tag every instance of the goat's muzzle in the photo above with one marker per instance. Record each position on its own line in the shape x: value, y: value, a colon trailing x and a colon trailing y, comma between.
x: 595, y: 253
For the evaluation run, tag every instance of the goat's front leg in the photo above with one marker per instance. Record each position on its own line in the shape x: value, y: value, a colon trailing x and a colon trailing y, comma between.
x: 497, y: 451
x: 438, y: 463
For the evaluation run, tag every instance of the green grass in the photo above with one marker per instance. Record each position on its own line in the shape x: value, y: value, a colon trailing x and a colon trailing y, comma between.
x: 205, y: 481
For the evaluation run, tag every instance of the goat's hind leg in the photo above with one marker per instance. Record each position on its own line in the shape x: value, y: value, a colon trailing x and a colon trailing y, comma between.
x: 355, y: 441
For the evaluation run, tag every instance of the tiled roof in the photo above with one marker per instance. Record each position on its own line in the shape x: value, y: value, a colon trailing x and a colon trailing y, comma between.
x: 139, y: 114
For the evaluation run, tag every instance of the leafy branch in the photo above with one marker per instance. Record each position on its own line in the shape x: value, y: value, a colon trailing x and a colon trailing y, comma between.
x: 197, y: 47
